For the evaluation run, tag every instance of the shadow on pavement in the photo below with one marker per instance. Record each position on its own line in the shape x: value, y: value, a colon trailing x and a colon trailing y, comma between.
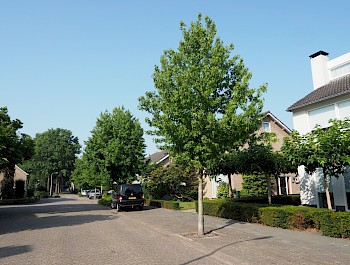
x: 47, y: 215
x: 228, y: 223
x: 220, y: 248
x: 14, y: 250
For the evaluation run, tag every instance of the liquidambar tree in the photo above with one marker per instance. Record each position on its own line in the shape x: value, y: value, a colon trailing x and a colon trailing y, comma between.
x: 202, y: 105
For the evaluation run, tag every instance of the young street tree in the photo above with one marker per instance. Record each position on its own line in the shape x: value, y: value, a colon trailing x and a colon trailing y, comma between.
x: 14, y: 149
x: 202, y: 105
x: 115, y: 151
x: 55, y: 151
x: 323, y: 148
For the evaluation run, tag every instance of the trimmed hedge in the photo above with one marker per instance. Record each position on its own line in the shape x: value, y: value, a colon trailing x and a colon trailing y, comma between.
x: 329, y: 223
x: 163, y: 204
x: 18, y: 201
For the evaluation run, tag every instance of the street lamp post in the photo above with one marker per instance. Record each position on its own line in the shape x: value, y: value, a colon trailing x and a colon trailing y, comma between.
x: 51, y: 182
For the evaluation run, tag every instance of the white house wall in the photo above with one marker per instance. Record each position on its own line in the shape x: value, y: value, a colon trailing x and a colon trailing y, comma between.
x: 308, y: 187
x: 300, y: 121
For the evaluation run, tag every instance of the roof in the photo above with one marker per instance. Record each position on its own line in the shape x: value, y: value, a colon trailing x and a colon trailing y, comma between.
x: 335, y: 88
x: 158, y: 156
x: 280, y: 123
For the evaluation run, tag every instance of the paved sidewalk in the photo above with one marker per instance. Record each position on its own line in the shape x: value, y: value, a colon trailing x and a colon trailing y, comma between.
x: 244, y: 243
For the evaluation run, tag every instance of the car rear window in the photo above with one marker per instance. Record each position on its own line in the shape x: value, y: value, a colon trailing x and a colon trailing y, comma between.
x: 127, y: 189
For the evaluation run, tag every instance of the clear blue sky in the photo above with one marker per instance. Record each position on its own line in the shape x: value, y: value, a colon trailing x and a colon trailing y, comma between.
x: 64, y: 62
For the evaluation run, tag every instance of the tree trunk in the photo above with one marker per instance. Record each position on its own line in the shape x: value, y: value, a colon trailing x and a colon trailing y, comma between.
x: 230, y: 195
x: 328, y: 196
x: 269, y: 191
x: 200, y: 206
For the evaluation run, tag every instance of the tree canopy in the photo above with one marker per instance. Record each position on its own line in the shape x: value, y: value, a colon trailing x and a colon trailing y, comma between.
x: 55, y: 151
x: 15, y: 147
x: 115, y: 150
x: 324, y: 148
x: 203, y: 105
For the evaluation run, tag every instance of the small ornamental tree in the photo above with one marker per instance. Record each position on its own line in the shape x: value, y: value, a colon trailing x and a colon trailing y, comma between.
x: 324, y: 148
x: 203, y: 105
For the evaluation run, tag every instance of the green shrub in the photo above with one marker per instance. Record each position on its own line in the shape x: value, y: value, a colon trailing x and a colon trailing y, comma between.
x: 106, y: 200
x: 223, y: 190
x: 40, y: 194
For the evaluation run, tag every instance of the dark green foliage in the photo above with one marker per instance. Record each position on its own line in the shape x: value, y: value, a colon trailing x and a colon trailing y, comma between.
x: 254, y: 186
x: 114, y: 152
x: 106, y: 200
x: 55, y: 151
x: 14, y: 149
x: 168, y: 181
x: 247, y: 212
x: 280, y: 199
x: 334, y: 224
x: 40, y: 194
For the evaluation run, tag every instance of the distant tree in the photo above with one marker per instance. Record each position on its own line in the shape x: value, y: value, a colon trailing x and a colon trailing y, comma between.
x: 14, y: 149
x: 172, y: 181
x: 323, y: 148
x: 115, y: 151
x: 202, y: 105
x: 55, y: 151
x: 80, y: 175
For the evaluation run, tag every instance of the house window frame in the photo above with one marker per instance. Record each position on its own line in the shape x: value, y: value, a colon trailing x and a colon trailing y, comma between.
x: 264, y: 128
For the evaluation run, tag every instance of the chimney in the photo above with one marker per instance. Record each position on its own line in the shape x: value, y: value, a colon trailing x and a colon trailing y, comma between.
x: 319, y: 69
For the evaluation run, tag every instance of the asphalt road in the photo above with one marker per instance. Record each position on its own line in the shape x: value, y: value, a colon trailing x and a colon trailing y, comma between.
x: 73, y: 230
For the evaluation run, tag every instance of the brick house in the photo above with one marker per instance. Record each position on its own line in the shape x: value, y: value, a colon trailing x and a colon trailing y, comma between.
x: 285, y: 184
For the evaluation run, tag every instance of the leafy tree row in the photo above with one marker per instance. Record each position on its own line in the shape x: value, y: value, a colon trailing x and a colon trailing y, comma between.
x: 15, y: 147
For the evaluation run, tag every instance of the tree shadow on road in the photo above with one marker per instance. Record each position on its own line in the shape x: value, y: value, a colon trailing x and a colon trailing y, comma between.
x: 225, y: 246
x: 14, y: 250
x: 36, y: 217
x: 228, y: 223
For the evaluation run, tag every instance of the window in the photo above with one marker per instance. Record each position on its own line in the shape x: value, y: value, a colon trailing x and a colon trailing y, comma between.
x: 321, y: 116
x: 266, y: 127
x: 340, y: 71
x: 344, y: 109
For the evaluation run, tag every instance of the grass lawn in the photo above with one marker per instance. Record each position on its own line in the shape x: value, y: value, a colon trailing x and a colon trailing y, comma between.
x: 187, y: 205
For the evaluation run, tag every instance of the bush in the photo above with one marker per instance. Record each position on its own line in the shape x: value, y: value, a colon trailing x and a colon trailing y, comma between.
x: 40, y: 194
x: 333, y: 224
x: 106, y: 200
x: 223, y: 190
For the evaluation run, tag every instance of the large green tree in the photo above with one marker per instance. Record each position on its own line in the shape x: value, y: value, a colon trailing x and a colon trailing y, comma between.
x: 203, y: 104
x: 55, y: 151
x: 15, y: 147
x: 323, y: 148
x: 115, y: 151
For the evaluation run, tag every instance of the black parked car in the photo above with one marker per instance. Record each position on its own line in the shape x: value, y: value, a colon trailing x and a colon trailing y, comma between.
x: 128, y: 196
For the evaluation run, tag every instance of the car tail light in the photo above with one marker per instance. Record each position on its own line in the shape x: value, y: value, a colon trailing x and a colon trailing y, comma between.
x: 143, y: 196
x: 120, y: 198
